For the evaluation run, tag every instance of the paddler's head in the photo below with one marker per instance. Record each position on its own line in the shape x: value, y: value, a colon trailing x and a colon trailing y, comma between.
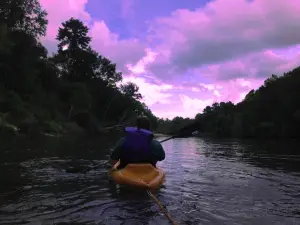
x: 143, y: 122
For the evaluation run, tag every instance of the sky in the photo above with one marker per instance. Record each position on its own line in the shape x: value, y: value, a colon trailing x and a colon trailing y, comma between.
x: 186, y: 55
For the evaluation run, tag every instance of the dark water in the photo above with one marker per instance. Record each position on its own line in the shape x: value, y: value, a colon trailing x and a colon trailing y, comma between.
x: 207, y: 182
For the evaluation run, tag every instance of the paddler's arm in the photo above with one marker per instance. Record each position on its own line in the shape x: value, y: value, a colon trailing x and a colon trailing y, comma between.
x: 116, y: 153
x: 113, y: 162
x: 158, y: 150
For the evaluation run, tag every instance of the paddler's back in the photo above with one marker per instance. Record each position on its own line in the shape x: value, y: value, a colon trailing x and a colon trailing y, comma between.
x: 157, y: 152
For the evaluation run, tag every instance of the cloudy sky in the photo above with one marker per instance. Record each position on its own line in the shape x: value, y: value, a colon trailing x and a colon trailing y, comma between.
x: 187, y: 54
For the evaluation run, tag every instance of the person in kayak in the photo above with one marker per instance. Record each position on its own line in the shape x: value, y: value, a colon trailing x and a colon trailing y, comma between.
x: 138, y: 146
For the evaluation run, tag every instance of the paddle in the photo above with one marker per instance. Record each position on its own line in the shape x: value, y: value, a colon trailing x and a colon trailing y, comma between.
x: 169, y: 138
x: 172, y: 137
x: 186, y: 131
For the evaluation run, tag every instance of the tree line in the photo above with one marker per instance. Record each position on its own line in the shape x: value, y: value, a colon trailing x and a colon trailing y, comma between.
x: 75, y: 85
x: 271, y: 111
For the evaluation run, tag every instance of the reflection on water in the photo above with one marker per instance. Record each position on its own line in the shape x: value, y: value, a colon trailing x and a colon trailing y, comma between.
x: 207, y: 182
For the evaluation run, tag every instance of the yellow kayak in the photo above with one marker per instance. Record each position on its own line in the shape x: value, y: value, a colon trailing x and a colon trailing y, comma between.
x: 143, y: 176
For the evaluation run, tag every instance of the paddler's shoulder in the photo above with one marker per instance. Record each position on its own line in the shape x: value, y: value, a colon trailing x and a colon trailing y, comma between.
x: 156, y: 144
x: 157, y: 150
x: 120, y: 142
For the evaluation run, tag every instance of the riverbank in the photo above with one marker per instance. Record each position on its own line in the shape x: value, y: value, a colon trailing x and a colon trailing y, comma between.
x: 84, y: 124
x: 11, y: 125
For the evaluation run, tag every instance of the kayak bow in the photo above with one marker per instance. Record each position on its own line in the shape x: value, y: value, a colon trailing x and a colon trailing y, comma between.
x: 143, y: 176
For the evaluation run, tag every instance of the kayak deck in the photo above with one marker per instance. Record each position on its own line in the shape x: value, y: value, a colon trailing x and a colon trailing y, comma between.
x: 138, y: 175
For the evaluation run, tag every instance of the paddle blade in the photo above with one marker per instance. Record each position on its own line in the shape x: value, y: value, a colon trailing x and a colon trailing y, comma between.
x: 185, y: 132
x: 189, y: 130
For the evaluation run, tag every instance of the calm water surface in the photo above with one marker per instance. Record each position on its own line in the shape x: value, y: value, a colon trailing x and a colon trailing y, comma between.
x: 207, y: 182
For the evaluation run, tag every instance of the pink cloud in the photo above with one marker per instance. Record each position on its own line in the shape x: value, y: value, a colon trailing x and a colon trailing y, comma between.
x: 257, y: 65
x: 192, y: 106
x: 234, y: 91
x: 140, y: 66
x: 231, y: 81
x: 152, y: 93
x: 191, y: 59
x: 169, y: 101
x: 189, y: 105
x: 216, y: 33
x: 121, y: 52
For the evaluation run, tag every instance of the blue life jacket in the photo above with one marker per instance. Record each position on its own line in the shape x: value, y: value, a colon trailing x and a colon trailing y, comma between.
x: 136, y: 146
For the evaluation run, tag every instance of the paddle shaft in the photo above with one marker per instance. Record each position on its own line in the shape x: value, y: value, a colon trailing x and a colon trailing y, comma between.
x: 169, y: 138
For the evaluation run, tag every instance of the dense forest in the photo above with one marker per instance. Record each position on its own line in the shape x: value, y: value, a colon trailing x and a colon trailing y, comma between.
x: 272, y: 111
x: 74, y: 88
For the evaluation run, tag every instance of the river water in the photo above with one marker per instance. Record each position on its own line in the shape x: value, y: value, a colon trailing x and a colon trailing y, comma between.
x: 208, y: 181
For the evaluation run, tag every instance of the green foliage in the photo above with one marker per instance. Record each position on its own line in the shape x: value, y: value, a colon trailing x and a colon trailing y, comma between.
x: 107, y: 71
x: 172, y: 126
x: 75, y: 95
x: 76, y: 83
x: 25, y: 15
x: 131, y: 90
x: 73, y: 36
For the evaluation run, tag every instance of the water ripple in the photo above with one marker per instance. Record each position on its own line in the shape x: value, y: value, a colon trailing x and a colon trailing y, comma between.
x: 206, y: 183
